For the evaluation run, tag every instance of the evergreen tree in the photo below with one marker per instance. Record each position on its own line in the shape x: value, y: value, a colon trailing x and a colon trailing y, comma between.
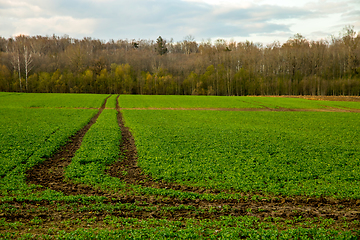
x: 161, y: 46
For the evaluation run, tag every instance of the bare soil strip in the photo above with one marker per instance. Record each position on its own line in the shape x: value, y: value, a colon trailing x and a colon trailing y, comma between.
x: 332, y: 98
x: 328, y: 109
x: 64, y: 107
x: 203, y: 210
x: 313, y: 97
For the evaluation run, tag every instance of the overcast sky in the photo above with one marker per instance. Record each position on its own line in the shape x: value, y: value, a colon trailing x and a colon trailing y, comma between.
x: 263, y: 21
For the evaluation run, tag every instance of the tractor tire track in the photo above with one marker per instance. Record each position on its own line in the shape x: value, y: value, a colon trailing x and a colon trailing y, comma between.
x: 50, y: 173
x: 135, y: 175
x: 264, y: 109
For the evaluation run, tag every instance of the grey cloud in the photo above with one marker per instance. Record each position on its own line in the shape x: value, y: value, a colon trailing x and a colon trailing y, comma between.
x: 140, y: 18
x: 354, y: 13
x: 246, y: 30
x: 327, y: 7
x: 173, y: 18
x: 169, y: 18
x: 264, y: 13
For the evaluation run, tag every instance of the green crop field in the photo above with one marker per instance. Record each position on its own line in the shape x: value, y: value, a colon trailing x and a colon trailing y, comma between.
x: 292, y: 103
x: 165, y: 167
x: 28, y: 135
x: 159, y: 101
x: 50, y: 100
x: 290, y: 153
x: 340, y: 104
x: 219, y: 102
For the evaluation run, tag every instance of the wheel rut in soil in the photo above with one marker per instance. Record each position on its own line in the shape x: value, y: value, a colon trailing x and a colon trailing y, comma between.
x: 50, y: 173
x: 264, y: 109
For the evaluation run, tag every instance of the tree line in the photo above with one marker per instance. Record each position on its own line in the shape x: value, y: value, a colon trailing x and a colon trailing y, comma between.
x: 67, y: 65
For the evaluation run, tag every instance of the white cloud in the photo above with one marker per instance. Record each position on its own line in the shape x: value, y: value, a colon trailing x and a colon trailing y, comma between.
x: 55, y: 25
x: 327, y: 7
x: 147, y: 19
x: 19, y: 9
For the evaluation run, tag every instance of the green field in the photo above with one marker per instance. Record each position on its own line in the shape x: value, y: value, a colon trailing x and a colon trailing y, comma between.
x: 340, y: 104
x: 159, y: 101
x: 289, y: 153
x: 219, y: 102
x: 50, y: 100
x: 252, y: 174
x: 28, y: 135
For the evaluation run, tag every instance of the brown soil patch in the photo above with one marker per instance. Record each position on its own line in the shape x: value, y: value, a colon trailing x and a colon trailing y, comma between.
x: 313, y: 97
x: 333, y: 98
x: 266, y: 109
x: 262, y: 209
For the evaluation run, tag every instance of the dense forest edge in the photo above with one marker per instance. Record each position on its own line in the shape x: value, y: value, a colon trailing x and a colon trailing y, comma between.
x: 225, y: 68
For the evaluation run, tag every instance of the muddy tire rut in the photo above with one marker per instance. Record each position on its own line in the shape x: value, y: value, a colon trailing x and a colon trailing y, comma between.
x: 50, y: 174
